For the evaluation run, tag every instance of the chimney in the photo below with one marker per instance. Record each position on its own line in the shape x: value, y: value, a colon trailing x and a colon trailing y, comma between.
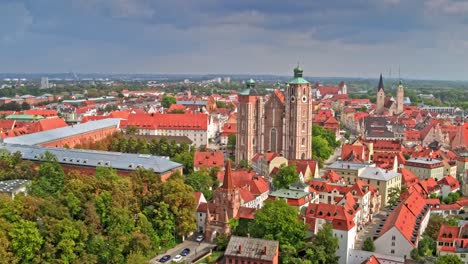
x: 240, y: 248
x: 265, y: 249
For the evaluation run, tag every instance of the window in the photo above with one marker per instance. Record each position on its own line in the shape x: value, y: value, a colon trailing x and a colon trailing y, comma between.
x: 392, y: 251
x: 303, y: 141
x: 393, y: 237
x: 462, y: 255
x: 393, y: 244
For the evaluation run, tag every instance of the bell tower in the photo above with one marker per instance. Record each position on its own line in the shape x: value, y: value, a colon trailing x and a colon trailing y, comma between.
x: 298, y: 118
x: 380, y: 97
x: 400, y: 97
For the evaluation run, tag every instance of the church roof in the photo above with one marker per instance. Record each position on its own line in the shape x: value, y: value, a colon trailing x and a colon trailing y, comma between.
x: 381, y: 86
x: 227, y: 181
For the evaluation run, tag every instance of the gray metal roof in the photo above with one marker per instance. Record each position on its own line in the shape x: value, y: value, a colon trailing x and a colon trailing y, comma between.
x: 252, y: 248
x: 375, y: 173
x: 427, y: 161
x: 93, y: 158
x: 349, y: 165
x: 64, y: 132
x: 12, y: 185
x: 200, y: 103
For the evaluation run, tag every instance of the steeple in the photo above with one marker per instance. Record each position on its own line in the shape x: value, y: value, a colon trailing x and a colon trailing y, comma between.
x: 380, y: 84
x: 298, y: 72
x: 227, y: 182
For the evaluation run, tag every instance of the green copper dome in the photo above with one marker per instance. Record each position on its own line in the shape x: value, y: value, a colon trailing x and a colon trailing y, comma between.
x: 298, y: 71
x: 250, y: 82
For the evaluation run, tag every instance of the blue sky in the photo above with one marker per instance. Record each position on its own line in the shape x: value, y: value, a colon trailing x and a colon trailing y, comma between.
x: 355, y: 38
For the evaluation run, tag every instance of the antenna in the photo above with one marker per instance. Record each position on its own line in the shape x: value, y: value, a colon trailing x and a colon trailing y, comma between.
x: 390, y: 73
x: 399, y: 73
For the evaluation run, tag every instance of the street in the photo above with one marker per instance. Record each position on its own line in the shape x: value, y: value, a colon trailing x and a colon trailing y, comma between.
x: 369, y: 230
x: 195, y: 248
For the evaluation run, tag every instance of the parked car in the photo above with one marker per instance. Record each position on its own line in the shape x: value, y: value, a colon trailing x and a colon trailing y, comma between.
x: 165, y: 259
x: 199, y: 238
x: 177, y: 258
x: 185, y: 252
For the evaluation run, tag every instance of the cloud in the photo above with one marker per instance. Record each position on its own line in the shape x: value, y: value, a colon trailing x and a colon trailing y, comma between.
x: 139, y: 9
x: 15, y: 20
x: 447, y: 7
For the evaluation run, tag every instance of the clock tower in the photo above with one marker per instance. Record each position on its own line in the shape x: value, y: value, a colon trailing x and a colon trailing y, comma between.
x: 298, y: 118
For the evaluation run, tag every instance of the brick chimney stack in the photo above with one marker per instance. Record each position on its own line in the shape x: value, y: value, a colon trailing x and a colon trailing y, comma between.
x: 240, y: 249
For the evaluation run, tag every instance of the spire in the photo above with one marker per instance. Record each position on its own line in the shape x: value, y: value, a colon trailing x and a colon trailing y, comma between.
x: 380, y: 84
x: 227, y: 181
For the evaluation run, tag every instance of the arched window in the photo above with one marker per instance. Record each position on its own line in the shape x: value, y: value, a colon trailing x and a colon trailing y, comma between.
x: 303, y: 126
x: 303, y: 156
x: 273, y: 140
x: 304, y: 91
x: 303, y: 141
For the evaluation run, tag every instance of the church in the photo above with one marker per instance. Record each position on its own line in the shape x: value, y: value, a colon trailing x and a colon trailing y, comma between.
x: 280, y: 122
x: 387, y: 105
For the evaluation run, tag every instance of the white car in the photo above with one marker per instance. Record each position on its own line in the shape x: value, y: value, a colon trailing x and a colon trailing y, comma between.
x: 177, y: 258
x: 199, y: 238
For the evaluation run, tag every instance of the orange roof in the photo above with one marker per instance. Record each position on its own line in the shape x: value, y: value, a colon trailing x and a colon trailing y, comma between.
x: 404, y: 216
x: 450, y: 181
x: 279, y: 94
x: 169, y: 121
x: 332, y: 176
x: 208, y: 159
x: 448, y: 233
x: 7, y: 124
x: 46, y: 124
x: 408, y: 177
x: 371, y: 260
x: 119, y: 114
x: 354, y: 152
x: 176, y: 107
x: 246, y: 195
x: 41, y: 112
x: 340, y: 217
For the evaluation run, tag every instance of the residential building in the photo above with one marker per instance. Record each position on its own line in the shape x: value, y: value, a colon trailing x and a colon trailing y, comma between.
x: 208, y: 160
x: 403, y: 227
x: 425, y: 167
x: 382, y: 180
x: 297, y: 195
x: 251, y: 250
x: 453, y: 240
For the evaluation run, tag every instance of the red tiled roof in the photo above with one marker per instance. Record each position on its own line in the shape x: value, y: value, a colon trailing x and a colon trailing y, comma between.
x: 450, y: 181
x: 208, y: 159
x: 246, y: 195
x: 340, y: 217
x: 448, y: 233
x: 169, y: 121
x: 332, y: 176
x: 404, y: 216
x: 119, y: 114
x: 246, y: 213
x: 176, y: 107
x: 7, y: 124
x: 46, y: 124
x: 279, y: 94
x: 371, y: 260
x: 408, y: 177
x: 41, y: 112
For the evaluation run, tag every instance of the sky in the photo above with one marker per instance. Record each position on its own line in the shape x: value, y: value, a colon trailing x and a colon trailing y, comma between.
x: 426, y: 39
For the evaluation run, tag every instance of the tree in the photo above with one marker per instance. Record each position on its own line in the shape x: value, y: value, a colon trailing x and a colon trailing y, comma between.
x: 287, y: 228
x: 286, y: 176
x: 427, y: 246
x: 131, y: 130
x: 201, y: 181
x: 415, y: 254
x: 186, y: 159
x: 167, y: 101
x: 449, y: 259
x: 324, y: 245
x: 394, y: 195
x: 25, y: 240
x: 231, y: 144
x: 51, y: 181
x: 369, y: 245
x: 321, y: 149
x: 433, y: 226
x: 222, y: 241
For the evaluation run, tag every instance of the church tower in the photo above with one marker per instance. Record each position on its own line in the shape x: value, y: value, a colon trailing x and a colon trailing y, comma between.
x: 400, y: 97
x: 248, y: 127
x: 298, y: 118
x: 380, y: 97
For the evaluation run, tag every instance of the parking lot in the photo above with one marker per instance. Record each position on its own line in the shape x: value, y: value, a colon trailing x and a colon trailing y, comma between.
x: 195, y: 249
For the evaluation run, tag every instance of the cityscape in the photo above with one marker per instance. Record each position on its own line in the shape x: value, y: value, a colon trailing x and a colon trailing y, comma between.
x: 186, y: 132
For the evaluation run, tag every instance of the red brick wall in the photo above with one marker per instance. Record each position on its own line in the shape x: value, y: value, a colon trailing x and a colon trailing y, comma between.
x: 92, y: 136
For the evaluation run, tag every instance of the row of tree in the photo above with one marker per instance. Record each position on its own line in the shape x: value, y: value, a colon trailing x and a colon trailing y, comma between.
x: 323, y: 144
x: 105, y: 218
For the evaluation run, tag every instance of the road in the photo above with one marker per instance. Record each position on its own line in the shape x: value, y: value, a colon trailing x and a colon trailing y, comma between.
x: 369, y: 230
x: 336, y: 154
x: 195, y: 247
